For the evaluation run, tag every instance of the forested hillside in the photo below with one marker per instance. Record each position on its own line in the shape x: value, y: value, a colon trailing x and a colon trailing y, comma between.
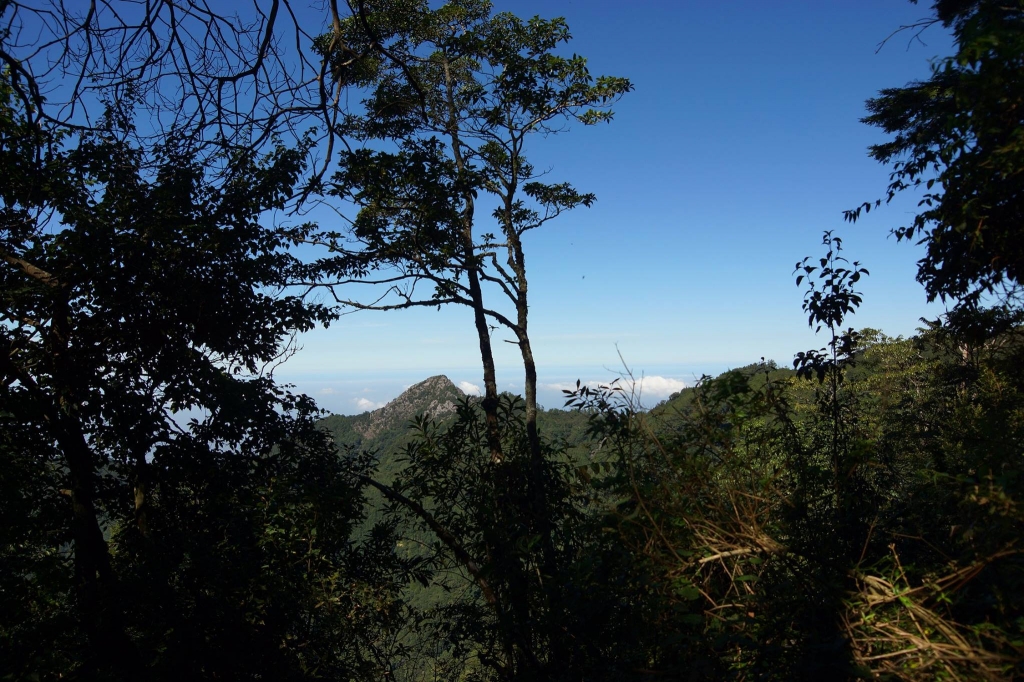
x: 172, y: 512
x: 387, y: 432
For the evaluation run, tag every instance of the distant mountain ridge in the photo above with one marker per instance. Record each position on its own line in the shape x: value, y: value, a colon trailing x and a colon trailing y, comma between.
x: 386, y: 429
x: 383, y: 428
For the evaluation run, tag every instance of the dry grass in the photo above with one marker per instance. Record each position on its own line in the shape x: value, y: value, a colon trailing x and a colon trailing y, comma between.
x: 899, y: 632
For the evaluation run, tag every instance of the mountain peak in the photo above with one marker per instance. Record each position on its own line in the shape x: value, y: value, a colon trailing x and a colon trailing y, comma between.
x: 436, y: 397
x: 440, y: 381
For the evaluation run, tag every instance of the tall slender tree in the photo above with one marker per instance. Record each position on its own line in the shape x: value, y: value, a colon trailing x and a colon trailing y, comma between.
x: 446, y: 125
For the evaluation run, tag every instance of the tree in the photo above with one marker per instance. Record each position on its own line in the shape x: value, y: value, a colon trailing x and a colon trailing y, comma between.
x: 444, y: 127
x: 454, y: 121
x: 958, y: 136
x: 190, y: 66
x: 864, y: 524
x: 159, y: 485
x: 109, y: 231
x: 146, y: 305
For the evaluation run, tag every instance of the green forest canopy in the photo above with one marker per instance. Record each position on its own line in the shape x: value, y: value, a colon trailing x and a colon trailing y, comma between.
x: 170, y: 512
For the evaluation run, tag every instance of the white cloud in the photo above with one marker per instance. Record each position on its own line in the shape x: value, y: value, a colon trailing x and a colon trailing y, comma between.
x: 469, y: 389
x: 367, y: 405
x: 656, y: 387
x: 327, y: 391
x: 569, y: 386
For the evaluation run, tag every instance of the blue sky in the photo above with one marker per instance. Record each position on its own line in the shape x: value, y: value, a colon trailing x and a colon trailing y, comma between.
x: 740, y: 144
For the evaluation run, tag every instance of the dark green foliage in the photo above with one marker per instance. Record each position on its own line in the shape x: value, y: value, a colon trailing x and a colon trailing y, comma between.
x: 864, y: 524
x: 169, y: 512
x: 386, y: 431
x: 958, y: 137
x: 451, y: 116
x: 519, y: 620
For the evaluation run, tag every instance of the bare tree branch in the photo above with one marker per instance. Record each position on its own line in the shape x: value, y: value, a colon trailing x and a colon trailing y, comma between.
x: 442, y: 534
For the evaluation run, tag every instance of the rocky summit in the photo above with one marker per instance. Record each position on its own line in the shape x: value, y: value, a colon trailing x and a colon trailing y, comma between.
x: 435, y: 397
x: 386, y: 428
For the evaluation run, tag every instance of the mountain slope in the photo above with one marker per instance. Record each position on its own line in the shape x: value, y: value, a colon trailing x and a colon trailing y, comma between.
x: 387, y: 428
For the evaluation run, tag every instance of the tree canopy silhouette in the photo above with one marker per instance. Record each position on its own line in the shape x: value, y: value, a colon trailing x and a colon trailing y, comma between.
x: 957, y: 137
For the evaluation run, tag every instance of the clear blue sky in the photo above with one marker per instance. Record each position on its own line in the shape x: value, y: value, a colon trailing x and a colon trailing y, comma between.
x: 740, y: 144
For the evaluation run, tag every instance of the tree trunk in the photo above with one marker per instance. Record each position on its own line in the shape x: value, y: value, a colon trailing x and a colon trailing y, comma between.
x: 490, y: 402
x: 111, y: 650
x: 95, y: 578
x: 540, y: 511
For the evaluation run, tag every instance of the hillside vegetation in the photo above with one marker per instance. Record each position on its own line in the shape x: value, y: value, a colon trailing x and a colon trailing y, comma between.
x: 171, y: 512
x: 387, y: 431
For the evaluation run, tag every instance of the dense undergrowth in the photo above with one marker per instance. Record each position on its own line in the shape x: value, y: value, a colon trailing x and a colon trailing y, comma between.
x: 170, y: 512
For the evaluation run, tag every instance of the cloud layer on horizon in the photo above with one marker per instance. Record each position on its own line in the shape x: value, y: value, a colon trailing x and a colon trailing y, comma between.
x: 469, y: 389
x: 654, y: 386
x: 366, y: 405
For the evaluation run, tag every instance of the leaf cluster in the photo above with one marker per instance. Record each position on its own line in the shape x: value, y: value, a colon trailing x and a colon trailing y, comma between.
x: 956, y: 137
